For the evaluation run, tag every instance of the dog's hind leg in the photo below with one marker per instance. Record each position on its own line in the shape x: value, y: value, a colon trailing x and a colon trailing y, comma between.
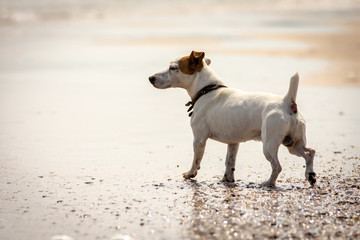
x: 199, y: 148
x: 308, y: 154
x: 230, y: 162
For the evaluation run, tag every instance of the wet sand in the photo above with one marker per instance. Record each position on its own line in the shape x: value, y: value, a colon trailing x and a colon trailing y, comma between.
x: 90, y: 150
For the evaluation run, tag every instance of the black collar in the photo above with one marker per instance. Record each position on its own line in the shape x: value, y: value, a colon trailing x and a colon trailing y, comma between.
x: 200, y: 93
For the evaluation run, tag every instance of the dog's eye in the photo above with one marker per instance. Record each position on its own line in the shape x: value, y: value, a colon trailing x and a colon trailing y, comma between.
x: 173, y: 68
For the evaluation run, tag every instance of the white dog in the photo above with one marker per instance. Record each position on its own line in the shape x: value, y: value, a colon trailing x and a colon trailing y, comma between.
x: 232, y: 116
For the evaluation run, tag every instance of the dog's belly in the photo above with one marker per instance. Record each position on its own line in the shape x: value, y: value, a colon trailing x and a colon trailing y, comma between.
x: 255, y: 135
x: 235, y: 135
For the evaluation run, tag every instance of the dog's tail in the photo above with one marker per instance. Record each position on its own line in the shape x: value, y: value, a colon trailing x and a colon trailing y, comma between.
x: 291, y: 95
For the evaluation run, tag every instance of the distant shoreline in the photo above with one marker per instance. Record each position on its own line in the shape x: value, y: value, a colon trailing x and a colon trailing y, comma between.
x: 340, y: 48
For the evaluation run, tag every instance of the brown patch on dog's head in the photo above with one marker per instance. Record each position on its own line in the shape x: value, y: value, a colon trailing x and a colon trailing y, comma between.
x: 190, y: 64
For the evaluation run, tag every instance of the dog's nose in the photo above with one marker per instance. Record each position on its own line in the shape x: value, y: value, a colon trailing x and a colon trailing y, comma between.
x: 152, y: 79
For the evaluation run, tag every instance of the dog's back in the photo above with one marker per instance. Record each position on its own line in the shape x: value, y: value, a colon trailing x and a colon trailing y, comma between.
x: 242, y: 114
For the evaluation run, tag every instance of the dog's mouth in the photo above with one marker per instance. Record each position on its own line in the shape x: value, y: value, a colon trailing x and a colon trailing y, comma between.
x: 158, y: 82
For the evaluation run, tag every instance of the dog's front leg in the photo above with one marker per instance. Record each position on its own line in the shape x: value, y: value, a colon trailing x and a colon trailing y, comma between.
x: 230, y: 162
x: 199, y: 148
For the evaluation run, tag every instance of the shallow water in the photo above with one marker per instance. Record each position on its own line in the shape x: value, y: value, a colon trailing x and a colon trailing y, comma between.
x: 90, y: 150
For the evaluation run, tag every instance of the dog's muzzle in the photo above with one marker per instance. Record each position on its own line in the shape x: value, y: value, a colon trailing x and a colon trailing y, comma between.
x: 152, y: 79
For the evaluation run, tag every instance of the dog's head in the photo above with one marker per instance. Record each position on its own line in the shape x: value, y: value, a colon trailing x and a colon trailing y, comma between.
x: 181, y: 72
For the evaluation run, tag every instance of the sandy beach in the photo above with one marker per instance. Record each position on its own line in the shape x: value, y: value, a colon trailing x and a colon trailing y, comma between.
x: 90, y: 150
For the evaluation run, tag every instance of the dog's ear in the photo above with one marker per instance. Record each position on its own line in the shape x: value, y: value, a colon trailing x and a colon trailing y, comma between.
x: 208, y: 61
x: 195, y: 61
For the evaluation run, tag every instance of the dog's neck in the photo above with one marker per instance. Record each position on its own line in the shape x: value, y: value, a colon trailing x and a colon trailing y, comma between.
x: 202, y: 79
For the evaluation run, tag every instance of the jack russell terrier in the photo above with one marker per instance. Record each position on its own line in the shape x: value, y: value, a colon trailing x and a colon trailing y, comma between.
x: 232, y: 116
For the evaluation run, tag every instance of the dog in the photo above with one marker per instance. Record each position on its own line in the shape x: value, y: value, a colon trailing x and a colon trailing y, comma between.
x: 232, y: 116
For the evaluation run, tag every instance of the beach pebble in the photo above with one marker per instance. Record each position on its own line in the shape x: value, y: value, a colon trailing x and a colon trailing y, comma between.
x: 121, y: 237
x: 61, y: 237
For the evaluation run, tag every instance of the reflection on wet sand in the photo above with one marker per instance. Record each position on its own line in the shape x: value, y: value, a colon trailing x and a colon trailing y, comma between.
x: 246, y: 211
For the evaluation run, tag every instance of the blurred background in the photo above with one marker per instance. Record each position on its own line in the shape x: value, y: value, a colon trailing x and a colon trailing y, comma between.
x: 76, y: 72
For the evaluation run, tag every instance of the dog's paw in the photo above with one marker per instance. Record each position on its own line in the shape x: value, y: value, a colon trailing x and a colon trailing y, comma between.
x: 311, y: 177
x: 267, y: 184
x: 228, y: 178
x: 189, y: 175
